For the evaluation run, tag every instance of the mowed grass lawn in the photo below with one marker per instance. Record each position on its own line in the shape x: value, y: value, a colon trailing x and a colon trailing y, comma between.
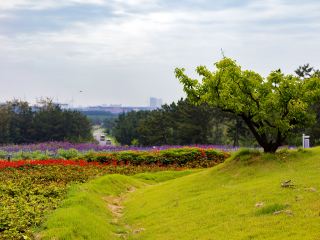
x: 235, y: 200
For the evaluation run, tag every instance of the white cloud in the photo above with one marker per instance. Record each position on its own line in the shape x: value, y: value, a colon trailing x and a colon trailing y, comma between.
x: 44, y: 4
x: 135, y: 35
x: 262, y: 35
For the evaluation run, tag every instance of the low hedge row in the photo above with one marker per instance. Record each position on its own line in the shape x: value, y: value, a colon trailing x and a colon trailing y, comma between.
x: 190, y: 157
x: 177, y: 157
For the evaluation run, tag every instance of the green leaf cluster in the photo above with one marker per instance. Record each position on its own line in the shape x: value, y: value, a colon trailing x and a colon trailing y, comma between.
x: 271, y: 107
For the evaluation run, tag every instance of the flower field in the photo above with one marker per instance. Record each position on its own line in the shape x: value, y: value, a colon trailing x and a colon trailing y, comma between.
x: 25, y: 164
x: 53, y: 147
x: 32, y: 184
x: 31, y: 189
x: 180, y: 156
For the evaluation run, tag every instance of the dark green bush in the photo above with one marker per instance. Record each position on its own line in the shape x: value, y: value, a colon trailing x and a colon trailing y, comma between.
x: 195, y: 157
x: 179, y: 157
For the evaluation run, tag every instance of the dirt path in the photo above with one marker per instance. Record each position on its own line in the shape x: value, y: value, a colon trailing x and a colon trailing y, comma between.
x: 114, y: 204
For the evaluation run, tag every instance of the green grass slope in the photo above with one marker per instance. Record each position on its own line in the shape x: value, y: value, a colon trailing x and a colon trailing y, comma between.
x: 85, y: 214
x: 240, y: 199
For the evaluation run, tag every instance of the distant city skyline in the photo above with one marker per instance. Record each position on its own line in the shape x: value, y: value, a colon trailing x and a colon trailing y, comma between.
x: 70, y: 104
x: 90, y: 52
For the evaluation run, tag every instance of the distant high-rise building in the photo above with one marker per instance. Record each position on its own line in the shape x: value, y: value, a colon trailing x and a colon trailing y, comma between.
x: 155, y: 102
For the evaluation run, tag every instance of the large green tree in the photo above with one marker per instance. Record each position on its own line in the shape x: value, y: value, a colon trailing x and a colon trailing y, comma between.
x: 54, y: 124
x: 155, y: 128
x: 20, y: 123
x: 191, y: 124
x: 5, y: 116
x: 126, y: 126
x: 16, y: 122
x: 271, y: 107
x: 305, y: 72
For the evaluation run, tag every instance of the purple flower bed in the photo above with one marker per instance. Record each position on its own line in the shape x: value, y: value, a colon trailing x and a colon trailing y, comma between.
x: 83, y: 147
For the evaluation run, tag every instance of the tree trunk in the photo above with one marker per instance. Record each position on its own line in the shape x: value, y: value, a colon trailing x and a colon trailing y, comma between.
x: 236, y: 134
x: 270, y: 148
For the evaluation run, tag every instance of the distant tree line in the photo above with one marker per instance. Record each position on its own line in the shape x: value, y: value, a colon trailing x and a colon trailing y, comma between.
x: 100, y: 117
x: 180, y: 123
x: 22, y: 123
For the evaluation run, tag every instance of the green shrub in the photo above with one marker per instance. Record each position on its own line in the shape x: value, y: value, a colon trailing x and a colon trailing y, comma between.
x: 89, y: 156
x: 179, y: 157
x: 103, y: 157
x: 191, y: 157
x: 69, y: 153
x: 3, y: 155
x: 245, y: 154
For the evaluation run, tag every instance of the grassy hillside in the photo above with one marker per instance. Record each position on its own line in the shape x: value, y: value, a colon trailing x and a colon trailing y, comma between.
x: 220, y: 203
x: 240, y: 199
x: 92, y: 210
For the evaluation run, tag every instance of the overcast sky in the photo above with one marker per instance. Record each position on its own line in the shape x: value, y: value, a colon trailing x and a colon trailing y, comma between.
x: 124, y: 51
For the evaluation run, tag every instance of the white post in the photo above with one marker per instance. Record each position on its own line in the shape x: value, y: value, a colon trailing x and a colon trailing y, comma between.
x: 305, y: 141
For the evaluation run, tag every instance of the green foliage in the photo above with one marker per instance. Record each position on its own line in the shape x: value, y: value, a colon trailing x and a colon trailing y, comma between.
x: 16, y: 117
x: 23, y: 155
x: 37, y: 155
x: 70, y: 153
x: 109, y: 124
x: 54, y: 124
x: 179, y: 157
x: 135, y: 142
x: 3, y: 154
x: 271, y: 107
x: 28, y: 194
x: 183, y: 157
x: 19, y: 123
x: 244, y: 153
x: 180, y: 123
x: 101, y: 118
x: 306, y: 71
x: 125, y: 129
x: 156, y: 128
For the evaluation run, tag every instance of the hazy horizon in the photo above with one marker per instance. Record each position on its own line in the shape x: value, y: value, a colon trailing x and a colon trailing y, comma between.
x: 94, y: 52
x: 71, y: 103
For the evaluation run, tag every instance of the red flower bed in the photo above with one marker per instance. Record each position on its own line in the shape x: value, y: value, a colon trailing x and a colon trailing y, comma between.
x: 182, y: 157
x: 22, y: 163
